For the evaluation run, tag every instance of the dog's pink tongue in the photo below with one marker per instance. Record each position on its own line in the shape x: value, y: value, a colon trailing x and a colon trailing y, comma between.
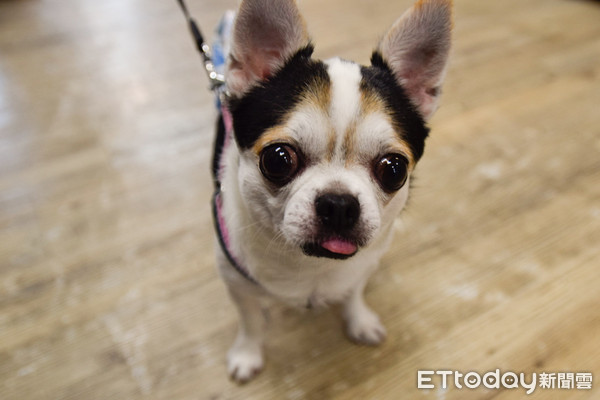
x: 339, y: 246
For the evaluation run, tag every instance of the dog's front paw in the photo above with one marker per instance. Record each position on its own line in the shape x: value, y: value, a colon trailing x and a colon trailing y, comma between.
x: 244, y: 360
x: 364, y: 327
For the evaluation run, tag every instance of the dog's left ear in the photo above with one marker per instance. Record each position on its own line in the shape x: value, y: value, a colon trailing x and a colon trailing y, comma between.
x: 265, y: 35
x: 416, y: 48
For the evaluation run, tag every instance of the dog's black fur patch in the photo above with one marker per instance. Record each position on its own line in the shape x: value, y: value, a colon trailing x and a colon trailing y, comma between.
x: 265, y: 105
x: 379, y: 78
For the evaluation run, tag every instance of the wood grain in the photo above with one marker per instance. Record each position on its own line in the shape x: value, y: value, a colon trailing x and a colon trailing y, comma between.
x: 107, y: 281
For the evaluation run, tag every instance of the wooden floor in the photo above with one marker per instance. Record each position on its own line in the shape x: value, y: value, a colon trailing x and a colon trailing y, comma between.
x: 108, y: 286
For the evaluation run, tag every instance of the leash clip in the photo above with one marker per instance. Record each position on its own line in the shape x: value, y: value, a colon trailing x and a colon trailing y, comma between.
x: 216, y: 79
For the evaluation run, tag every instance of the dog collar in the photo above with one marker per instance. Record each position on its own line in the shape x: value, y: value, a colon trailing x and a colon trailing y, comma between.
x: 217, y: 201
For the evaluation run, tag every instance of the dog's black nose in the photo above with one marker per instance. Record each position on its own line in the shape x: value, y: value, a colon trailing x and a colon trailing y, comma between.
x: 337, y: 211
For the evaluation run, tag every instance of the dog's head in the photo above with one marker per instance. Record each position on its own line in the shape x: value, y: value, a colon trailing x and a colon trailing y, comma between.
x: 327, y: 147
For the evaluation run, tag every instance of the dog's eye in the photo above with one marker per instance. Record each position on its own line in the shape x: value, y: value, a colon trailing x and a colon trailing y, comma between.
x: 279, y: 163
x: 391, y: 171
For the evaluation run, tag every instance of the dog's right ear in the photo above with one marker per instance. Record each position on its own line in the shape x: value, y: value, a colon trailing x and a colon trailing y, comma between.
x: 266, y: 33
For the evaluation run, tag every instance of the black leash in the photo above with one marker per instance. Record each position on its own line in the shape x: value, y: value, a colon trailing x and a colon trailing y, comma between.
x: 216, y: 80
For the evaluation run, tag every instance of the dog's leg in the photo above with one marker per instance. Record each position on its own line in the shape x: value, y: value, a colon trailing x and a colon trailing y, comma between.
x: 362, y: 324
x: 245, y: 358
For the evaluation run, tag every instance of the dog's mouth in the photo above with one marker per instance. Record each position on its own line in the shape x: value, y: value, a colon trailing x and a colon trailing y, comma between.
x: 337, y: 248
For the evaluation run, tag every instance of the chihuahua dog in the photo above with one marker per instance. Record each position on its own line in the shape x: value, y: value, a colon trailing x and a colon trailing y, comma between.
x: 313, y: 163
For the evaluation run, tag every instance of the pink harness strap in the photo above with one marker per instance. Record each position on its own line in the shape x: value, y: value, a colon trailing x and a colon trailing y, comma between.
x: 218, y: 218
